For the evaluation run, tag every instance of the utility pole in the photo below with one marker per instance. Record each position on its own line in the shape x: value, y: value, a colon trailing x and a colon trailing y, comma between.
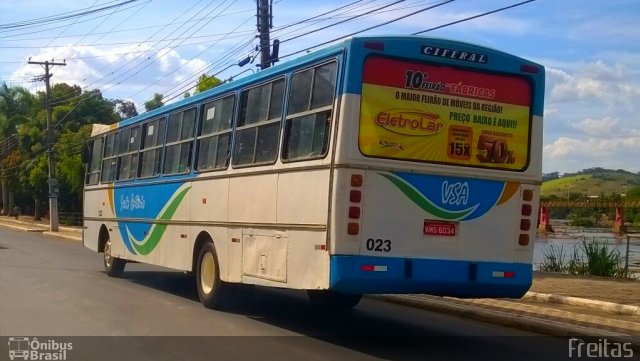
x: 264, y: 25
x: 53, y: 182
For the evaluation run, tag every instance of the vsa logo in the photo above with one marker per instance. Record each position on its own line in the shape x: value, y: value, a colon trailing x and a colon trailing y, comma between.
x: 455, y: 194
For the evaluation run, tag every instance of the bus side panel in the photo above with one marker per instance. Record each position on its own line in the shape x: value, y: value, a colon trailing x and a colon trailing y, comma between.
x: 210, y: 204
x: 93, y: 200
x: 145, y: 232
x: 303, y: 200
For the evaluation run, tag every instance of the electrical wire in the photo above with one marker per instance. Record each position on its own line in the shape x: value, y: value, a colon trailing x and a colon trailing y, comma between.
x: 473, y: 17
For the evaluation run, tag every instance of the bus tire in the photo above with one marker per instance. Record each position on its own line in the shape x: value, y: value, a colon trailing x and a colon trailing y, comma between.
x: 113, y: 266
x: 213, y: 292
x: 333, y: 299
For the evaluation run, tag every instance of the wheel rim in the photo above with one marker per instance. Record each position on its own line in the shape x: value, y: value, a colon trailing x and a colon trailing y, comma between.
x: 207, y: 272
x: 107, y: 254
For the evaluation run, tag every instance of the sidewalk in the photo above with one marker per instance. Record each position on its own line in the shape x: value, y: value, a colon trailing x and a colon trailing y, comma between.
x: 26, y: 223
x: 556, y: 304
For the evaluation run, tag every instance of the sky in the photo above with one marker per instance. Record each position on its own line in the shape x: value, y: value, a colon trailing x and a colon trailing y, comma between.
x: 131, y: 49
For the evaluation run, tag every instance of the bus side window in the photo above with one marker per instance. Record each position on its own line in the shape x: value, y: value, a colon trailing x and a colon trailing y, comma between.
x: 309, y: 111
x: 128, y: 153
x: 177, y: 157
x: 109, y: 159
x: 214, y: 135
x: 258, y: 130
x: 93, y: 176
x: 153, y: 134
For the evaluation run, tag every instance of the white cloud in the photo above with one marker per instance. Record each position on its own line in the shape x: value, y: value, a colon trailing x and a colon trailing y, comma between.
x: 122, y: 70
x: 571, y: 154
x: 611, y: 85
x: 604, y: 127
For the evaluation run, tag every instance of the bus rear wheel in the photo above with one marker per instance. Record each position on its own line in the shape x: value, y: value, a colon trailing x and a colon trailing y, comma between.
x: 333, y: 299
x: 213, y: 292
x: 113, y: 266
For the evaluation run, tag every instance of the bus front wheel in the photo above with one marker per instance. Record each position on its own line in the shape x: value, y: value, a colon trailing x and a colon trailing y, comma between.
x: 113, y: 266
x: 333, y: 299
x: 213, y: 292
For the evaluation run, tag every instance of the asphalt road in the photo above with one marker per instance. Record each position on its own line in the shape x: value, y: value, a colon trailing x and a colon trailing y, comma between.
x: 53, y: 288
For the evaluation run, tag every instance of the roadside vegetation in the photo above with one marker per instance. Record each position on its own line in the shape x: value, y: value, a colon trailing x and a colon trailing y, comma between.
x: 23, y: 142
x: 589, y: 184
x: 587, y: 258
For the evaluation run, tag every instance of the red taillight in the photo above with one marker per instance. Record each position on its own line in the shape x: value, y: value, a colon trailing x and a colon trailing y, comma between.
x: 353, y: 228
x: 523, y: 240
x: 354, y: 212
x: 367, y: 268
x: 526, y: 68
x: 356, y: 180
x: 525, y: 224
x: 355, y: 196
x: 501, y: 274
x: 526, y: 209
x: 527, y: 195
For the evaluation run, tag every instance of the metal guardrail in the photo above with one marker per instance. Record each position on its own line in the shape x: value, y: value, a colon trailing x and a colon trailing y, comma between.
x: 628, y: 251
x: 70, y: 218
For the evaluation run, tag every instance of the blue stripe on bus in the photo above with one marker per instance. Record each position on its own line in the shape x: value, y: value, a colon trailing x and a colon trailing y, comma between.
x: 429, y: 276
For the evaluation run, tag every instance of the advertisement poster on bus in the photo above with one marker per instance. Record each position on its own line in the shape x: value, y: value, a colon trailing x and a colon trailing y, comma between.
x: 441, y: 114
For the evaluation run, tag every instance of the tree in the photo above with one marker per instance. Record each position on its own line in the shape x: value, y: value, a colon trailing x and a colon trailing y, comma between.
x: 69, y: 167
x: 206, y: 82
x: 17, y: 104
x: 126, y: 109
x: 154, y: 103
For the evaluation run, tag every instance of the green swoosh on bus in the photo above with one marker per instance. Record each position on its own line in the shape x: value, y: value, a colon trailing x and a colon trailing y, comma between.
x: 423, y: 202
x: 146, y: 245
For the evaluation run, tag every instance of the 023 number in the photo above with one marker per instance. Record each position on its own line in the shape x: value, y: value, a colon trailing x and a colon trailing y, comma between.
x: 379, y: 245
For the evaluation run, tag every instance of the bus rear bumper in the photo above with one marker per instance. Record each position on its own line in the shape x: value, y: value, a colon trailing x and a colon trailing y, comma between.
x: 466, y: 279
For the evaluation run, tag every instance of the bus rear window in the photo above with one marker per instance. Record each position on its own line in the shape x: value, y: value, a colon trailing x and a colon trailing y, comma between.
x: 438, y: 114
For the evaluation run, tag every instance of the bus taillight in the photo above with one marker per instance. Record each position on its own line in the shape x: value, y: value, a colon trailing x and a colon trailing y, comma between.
x: 354, y: 211
x: 526, y: 211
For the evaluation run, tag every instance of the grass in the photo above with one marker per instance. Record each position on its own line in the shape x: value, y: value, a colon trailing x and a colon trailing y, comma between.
x: 589, y: 258
x: 589, y: 184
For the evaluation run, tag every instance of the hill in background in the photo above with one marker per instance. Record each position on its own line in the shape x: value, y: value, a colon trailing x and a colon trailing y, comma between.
x: 589, y: 182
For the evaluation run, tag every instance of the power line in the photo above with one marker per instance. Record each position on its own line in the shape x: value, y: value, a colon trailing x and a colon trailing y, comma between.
x: 190, y: 60
x: 162, y: 26
x: 59, y: 18
x: 473, y: 17
x: 369, y: 28
x: 167, y: 52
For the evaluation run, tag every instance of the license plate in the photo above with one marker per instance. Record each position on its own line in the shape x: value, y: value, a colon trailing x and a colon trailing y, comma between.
x: 439, y: 228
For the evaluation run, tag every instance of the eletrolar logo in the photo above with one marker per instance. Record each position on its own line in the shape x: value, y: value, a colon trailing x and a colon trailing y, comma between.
x: 26, y: 348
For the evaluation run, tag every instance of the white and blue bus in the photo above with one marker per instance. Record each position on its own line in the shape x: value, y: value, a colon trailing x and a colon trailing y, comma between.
x: 395, y: 164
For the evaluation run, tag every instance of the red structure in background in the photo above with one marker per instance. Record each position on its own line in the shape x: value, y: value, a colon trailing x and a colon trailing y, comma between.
x: 618, y: 223
x: 544, y: 225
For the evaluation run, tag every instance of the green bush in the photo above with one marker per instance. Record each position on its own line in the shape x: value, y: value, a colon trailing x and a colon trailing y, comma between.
x: 553, y: 259
x: 589, y: 258
x: 601, y: 261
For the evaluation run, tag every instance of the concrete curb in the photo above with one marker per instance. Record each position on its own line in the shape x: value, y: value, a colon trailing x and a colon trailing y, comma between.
x: 42, y: 225
x: 610, y: 307
x: 21, y: 228
x: 61, y: 235
x: 543, y: 326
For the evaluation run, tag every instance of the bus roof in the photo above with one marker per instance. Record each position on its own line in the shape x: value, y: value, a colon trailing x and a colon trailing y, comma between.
x: 292, y: 64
